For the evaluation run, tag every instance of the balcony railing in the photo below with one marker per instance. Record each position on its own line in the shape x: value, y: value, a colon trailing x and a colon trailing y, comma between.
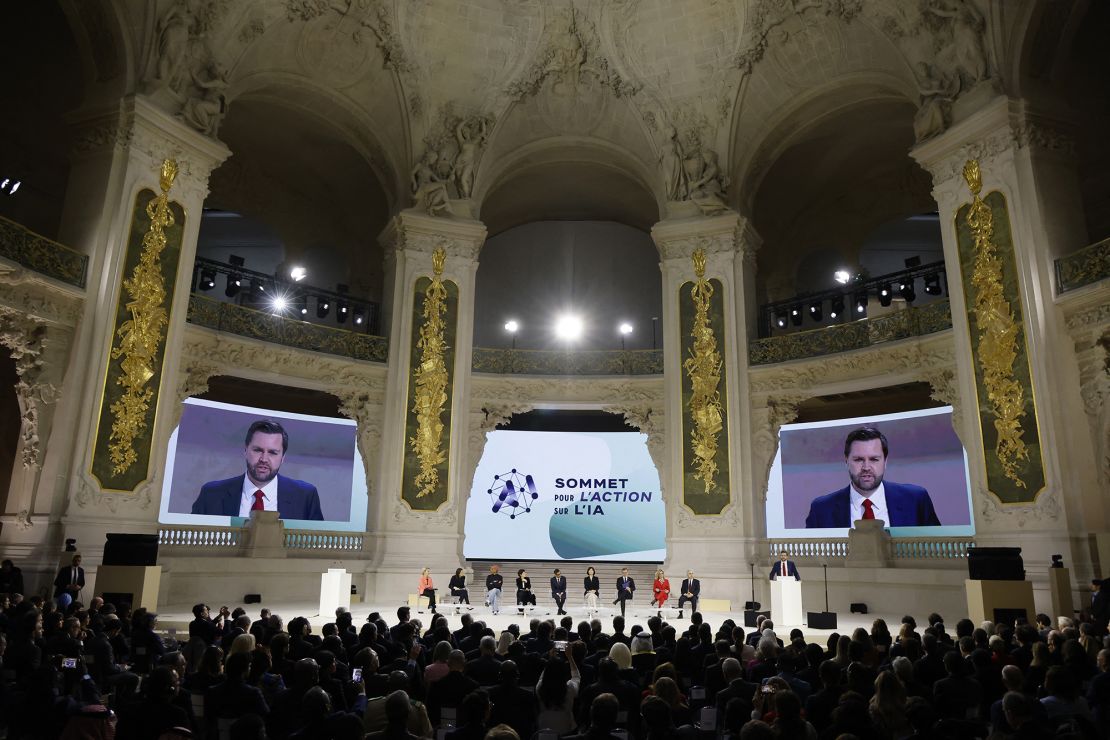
x: 1088, y: 265
x: 946, y: 549
x: 198, y: 536
x: 36, y: 252
x: 914, y: 321
x: 267, y: 327
x: 557, y: 362
x: 850, y: 302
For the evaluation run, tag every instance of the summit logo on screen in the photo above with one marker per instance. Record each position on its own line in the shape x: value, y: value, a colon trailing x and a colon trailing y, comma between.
x: 512, y: 493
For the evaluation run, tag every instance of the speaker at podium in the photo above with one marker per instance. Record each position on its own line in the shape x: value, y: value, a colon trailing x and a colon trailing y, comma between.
x: 786, y: 602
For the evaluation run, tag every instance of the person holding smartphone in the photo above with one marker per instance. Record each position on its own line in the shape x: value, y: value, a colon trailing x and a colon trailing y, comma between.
x: 593, y: 588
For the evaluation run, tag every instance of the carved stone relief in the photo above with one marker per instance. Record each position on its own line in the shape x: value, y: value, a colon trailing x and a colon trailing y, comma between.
x: 25, y: 339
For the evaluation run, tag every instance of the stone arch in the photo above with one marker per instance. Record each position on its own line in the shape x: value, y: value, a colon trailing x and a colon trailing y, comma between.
x: 108, y: 51
x: 334, y: 111
x: 560, y: 178
x: 816, y: 181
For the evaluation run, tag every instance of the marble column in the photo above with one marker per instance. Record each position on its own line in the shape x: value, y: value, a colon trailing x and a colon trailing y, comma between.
x: 1029, y: 158
x: 404, y: 540
x: 718, y: 546
x: 118, y: 152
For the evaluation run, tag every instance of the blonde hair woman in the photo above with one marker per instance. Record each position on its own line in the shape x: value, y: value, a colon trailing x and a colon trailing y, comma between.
x: 427, y: 588
x: 661, y: 588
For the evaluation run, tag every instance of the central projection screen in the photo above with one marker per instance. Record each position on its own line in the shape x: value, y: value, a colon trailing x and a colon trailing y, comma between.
x: 925, y: 488
x: 565, y: 496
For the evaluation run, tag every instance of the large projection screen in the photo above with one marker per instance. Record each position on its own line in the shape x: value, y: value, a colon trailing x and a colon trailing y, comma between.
x: 565, y: 496
x: 809, y: 492
x: 206, y: 451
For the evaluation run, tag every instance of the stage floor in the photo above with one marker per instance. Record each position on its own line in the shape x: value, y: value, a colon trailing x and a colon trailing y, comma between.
x: 175, y: 618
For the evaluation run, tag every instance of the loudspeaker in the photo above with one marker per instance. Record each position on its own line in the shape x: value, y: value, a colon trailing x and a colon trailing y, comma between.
x: 858, y: 608
x: 995, y: 564
x: 252, y: 599
x: 821, y: 620
x: 752, y: 605
x: 751, y: 615
x: 120, y: 601
x: 131, y: 549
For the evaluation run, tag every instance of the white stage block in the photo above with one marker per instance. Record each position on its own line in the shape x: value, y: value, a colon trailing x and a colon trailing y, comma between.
x: 786, y: 603
x: 335, y: 591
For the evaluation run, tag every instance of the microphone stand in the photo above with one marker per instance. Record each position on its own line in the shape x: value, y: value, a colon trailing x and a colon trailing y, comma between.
x: 825, y: 568
x: 753, y: 581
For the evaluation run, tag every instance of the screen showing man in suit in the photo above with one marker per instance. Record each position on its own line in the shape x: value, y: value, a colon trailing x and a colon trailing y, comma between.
x: 226, y: 461
x: 868, y: 496
x: 907, y: 470
x: 261, y: 488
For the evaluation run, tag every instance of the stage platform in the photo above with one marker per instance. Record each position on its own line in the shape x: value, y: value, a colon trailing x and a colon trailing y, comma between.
x: 174, y: 618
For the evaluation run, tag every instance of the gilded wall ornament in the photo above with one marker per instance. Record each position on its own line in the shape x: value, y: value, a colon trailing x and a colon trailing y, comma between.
x: 998, y: 334
x: 703, y: 367
x: 430, y: 379
x: 140, y: 337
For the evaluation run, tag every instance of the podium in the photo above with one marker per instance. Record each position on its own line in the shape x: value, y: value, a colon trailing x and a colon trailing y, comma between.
x: 335, y: 591
x: 786, y: 602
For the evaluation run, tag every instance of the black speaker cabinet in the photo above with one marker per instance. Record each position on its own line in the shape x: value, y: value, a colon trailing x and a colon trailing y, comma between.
x: 752, y: 605
x: 995, y: 564
x: 751, y: 615
x: 252, y: 599
x: 821, y: 620
x: 858, y: 608
x: 131, y: 549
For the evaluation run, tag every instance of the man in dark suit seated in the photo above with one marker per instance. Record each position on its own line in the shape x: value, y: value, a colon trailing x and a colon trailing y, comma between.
x: 261, y: 488
x: 486, y: 668
x: 448, y: 692
x: 604, y: 709
x: 559, y: 590
x: 235, y: 697
x: 736, y: 687
x: 626, y: 587
x: 868, y: 496
x: 513, y: 705
x: 691, y: 589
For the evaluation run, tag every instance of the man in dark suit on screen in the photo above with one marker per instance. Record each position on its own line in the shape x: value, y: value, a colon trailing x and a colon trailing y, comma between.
x: 868, y: 496
x: 261, y: 488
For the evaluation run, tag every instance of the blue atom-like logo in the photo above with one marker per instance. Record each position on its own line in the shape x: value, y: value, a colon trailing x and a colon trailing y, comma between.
x: 512, y: 493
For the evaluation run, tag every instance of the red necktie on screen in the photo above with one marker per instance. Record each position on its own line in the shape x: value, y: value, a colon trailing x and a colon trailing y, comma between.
x: 259, y: 506
x: 868, y: 509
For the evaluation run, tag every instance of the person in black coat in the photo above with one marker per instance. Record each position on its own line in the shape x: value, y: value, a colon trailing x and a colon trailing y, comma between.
x: 11, y: 578
x: 559, y: 590
x: 524, y: 595
x: 68, y: 583
x: 204, y: 627
x: 235, y: 697
x: 156, y: 712
x: 513, y: 705
x: 486, y: 668
x: 592, y: 586
x: 626, y: 587
x: 458, y: 587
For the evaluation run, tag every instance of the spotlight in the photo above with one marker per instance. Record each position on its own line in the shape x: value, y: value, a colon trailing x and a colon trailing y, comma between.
x: 625, y: 328
x: 207, y: 278
x: 861, y: 303
x: 886, y: 294
x: 298, y: 273
x: 512, y: 325
x: 323, y: 305
x: 9, y: 187
x: 360, y: 315
x: 780, y: 319
x: 842, y: 276
x: 568, y: 327
x: 932, y: 283
x: 836, y: 307
x: 280, y: 304
x: 234, y: 282
x: 796, y: 314
x: 815, y: 310
x: 300, y: 305
x: 905, y: 287
x: 259, y: 290
x: 341, y: 310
